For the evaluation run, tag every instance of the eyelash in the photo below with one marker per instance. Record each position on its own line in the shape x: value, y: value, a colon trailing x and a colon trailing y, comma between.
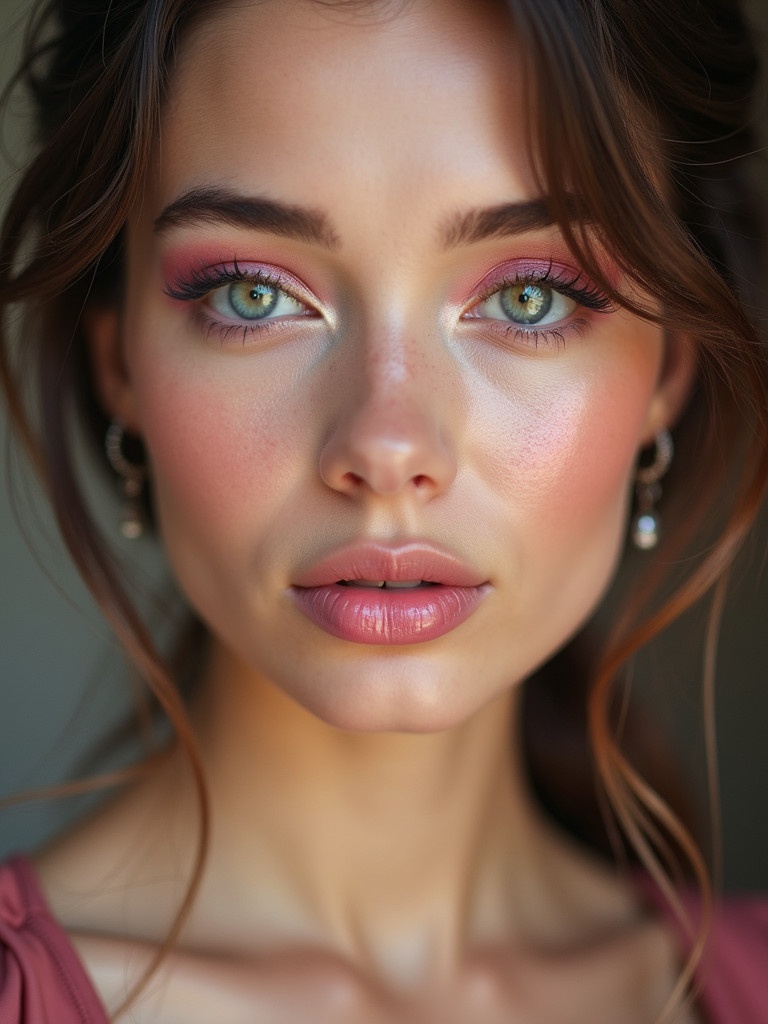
x: 586, y: 295
x: 200, y: 283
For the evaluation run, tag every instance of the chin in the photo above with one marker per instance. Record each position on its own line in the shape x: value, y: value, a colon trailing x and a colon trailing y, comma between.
x: 411, y: 703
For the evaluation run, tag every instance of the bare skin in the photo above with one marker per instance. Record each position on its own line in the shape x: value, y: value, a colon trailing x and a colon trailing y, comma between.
x: 375, y: 853
x: 407, y: 884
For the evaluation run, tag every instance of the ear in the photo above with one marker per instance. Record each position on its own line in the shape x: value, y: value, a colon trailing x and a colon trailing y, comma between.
x: 104, y: 334
x: 675, y: 384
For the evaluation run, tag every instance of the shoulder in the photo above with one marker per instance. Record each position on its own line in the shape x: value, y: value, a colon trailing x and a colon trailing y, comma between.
x: 41, y: 978
x: 732, y: 976
x: 734, y: 971
x: 742, y: 921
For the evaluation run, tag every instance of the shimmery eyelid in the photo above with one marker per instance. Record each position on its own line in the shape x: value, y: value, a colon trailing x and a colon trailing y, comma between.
x: 540, y: 271
x: 197, y: 282
x: 568, y: 281
x: 520, y: 269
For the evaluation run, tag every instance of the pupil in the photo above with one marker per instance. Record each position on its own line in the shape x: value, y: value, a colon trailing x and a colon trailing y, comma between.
x: 253, y: 300
x: 526, y: 303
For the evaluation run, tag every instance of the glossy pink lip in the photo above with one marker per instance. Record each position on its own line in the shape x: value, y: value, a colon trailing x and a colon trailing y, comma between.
x: 389, y: 617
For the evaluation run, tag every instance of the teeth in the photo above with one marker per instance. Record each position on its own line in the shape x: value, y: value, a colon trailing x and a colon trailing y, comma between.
x: 379, y: 584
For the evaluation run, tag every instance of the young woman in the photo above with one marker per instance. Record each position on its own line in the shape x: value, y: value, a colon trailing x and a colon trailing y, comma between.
x: 394, y: 319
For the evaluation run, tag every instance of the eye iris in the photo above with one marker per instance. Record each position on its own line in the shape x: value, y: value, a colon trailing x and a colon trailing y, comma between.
x: 526, y: 302
x: 253, y: 299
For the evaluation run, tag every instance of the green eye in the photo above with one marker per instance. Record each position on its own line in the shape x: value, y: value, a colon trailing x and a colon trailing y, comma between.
x: 254, y: 300
x: 527, y: 302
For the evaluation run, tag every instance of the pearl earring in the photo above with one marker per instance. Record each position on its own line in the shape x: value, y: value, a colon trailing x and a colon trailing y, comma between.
x: 645, y: 525
x: 132, y: 478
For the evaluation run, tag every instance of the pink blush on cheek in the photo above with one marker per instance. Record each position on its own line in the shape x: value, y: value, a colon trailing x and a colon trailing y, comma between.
x: 215, y: 460
x: 576, y: 453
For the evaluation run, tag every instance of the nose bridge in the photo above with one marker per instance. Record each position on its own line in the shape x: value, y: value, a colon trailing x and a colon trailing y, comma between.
x: 392, y: 430
x: 393, y: 373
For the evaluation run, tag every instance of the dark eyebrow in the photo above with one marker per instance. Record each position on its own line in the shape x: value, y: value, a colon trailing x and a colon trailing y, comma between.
x: 212, y: 205
x: 498, y: 221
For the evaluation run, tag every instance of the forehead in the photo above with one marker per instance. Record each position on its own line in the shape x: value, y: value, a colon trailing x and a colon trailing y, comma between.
x: 289, y: 88
x: 275, y: 34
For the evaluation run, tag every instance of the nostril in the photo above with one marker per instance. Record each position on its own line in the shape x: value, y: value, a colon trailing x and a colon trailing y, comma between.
x: 375, y: 453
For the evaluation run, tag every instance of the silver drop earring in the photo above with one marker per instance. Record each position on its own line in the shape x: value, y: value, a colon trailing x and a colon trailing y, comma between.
x: 132, y: 475
x: 645, y: 525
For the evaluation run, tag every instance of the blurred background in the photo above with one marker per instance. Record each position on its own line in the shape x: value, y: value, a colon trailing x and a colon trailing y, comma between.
x: 63, y: 683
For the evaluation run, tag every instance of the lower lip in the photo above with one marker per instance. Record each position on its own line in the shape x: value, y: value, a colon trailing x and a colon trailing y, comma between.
x: 367, y: 615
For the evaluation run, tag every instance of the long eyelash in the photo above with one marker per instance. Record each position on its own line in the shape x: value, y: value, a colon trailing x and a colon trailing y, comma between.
x: 200, y: 282
x: 587, y: 295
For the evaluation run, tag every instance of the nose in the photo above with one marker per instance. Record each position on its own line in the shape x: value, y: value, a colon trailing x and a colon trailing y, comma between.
x: 392, y: 434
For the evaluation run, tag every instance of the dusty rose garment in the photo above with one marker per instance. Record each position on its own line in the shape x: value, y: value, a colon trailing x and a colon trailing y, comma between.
x: 734, y: 973
x: 41, y: 979
x: 43, y: 982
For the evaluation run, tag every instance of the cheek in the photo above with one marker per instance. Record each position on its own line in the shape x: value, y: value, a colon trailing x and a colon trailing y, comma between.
x: 562, y: 454
x: 576, y: 463
x: 222, y: 450
x: 571, y: 431
x: 556, y: 462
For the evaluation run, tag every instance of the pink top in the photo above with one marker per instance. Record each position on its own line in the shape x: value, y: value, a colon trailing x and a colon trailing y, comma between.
x: 734, y: 972
x: 41, y: 978
x: 43, y: 982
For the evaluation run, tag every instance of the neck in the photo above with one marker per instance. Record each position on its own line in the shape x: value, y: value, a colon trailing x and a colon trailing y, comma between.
x: 405, y: 855
x: 398, y: 849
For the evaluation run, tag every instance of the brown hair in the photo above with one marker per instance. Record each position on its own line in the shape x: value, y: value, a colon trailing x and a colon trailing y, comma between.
x: 641, y: 122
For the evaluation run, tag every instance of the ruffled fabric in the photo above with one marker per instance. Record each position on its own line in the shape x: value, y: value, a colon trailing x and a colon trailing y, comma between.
x: 41, y: 978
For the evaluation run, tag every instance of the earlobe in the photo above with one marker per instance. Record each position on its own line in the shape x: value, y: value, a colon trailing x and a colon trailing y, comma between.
x: 103, y: 332
x: 675, y: 385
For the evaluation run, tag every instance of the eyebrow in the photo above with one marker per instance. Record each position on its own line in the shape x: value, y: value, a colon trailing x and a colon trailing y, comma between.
x: 212, y: 205
x: 496, y: 222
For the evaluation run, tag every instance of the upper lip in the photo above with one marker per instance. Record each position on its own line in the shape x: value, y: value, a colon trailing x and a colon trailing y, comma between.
x: 399, y: 563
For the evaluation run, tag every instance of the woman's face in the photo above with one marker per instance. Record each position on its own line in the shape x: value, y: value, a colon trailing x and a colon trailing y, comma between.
x: 357, y: 351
